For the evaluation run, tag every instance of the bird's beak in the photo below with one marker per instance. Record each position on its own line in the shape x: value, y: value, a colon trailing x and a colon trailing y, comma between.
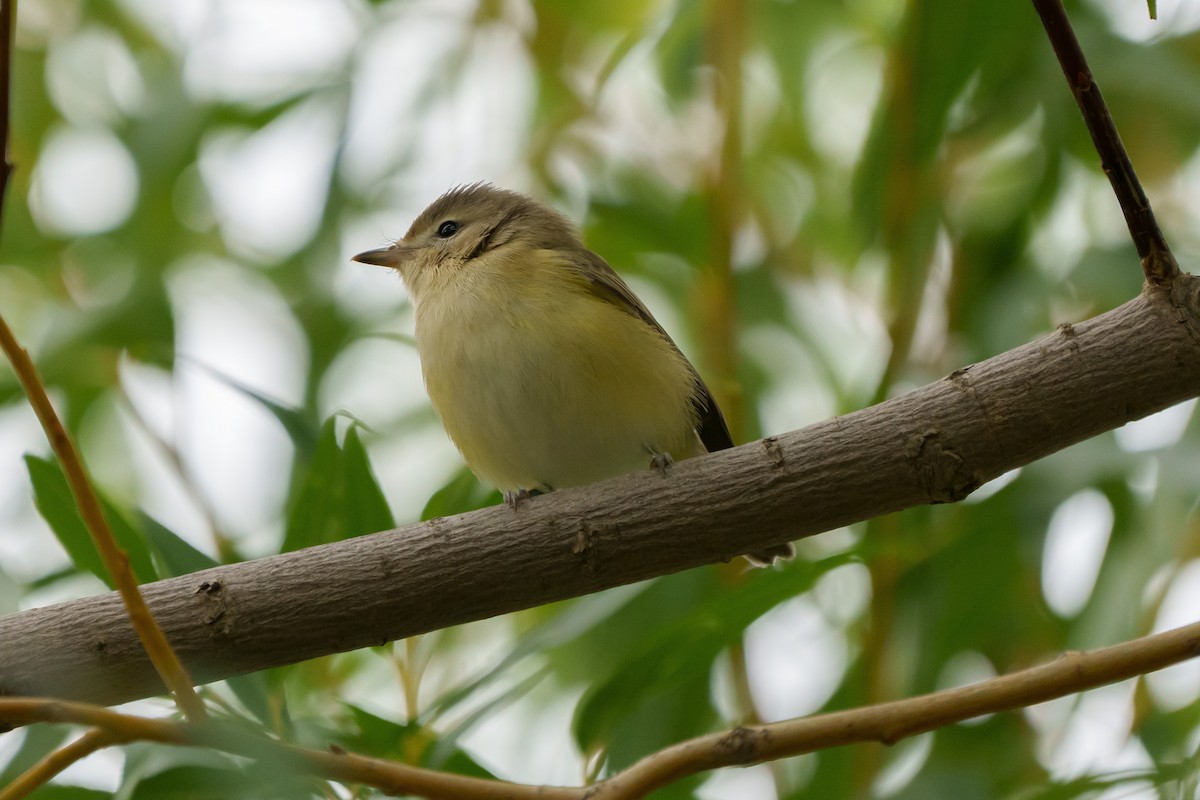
x: 391, y: 257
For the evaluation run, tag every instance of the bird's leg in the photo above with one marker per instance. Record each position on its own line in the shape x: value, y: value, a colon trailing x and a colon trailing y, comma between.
x: 660, y: 461
x: 513, y: 499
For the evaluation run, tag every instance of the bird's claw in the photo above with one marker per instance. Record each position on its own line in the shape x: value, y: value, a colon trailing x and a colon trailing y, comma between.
x: 513, y: 499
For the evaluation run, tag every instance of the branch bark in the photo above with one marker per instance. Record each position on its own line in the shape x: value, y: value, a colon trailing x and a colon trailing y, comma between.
x: 934, y: 445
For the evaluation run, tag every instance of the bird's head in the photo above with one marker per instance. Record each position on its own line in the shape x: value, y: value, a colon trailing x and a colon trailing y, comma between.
x: 469, y: 223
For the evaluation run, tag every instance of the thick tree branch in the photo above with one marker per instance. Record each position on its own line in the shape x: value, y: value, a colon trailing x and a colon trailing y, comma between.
x: 1158, y: 263
x: 933, y: 445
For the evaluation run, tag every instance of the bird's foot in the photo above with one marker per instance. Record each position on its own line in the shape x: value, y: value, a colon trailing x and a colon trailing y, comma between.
x: 660, y: 462
x: 514, y: 499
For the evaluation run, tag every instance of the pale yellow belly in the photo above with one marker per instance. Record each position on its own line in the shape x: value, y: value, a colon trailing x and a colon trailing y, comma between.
x: 552, y: 395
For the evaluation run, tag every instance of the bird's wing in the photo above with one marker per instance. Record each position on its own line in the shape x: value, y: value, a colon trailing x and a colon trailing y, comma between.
x: 607, y: 285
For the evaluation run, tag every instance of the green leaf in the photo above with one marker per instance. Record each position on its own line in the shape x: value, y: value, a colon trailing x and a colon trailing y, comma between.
x: 56, y: 504
x: 257, y: 781
x: 338, y: 494
x: 153, y: 772
x: 657, y: 691
x: 298, y: 425
x: 459, y: 762
x: 658, y: 697
x: 54, y: 791
x: 377, y: 736
x: 177, y: 556
x: 37, y: 742
x: 51, y: 578
x: 385, y: 738
x: 253, y: 692
x: 461, y: 494
x: 572, y: 619
x: 445, y: 754
x: 53, y: 498
x: 312, y: 515
x: 367, y: 508
x: 133, y: 541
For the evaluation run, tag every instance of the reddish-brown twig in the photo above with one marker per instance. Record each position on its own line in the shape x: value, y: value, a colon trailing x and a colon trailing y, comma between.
x: 157, y: 648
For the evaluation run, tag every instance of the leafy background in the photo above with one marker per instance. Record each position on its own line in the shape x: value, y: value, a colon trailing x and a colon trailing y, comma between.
x: 827, y: 203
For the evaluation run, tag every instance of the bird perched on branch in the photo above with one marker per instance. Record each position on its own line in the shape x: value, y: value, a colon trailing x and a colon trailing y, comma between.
x: 544, y: 367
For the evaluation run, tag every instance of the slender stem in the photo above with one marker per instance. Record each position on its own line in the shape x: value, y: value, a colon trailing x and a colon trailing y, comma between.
x: 888, y: 723
x: 173, y: 673
x: 717, y: 293
x: 1158, y: 264
x: 41, y: 772
x: 8, y: 10
x: 333, y: 764
x: 884, y: 723
x: 115, y: 560
x: 410, y: 668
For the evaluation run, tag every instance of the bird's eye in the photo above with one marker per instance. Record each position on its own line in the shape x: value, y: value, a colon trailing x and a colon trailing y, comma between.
x: 447, y: 229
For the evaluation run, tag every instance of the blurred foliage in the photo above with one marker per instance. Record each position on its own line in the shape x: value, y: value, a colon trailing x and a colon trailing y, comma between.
x: 913, y: 191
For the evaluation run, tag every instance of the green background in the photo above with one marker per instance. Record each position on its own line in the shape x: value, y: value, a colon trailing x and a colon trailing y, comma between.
x: 825, y: 203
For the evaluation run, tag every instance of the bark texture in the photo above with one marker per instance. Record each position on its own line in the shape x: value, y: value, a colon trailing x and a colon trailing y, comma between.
x: 934, y: 445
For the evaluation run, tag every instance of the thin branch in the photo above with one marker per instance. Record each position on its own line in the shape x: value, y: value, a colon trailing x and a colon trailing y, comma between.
x: 886, y: 723
x: 228, y: 737
x: 54, y: 763
x: 115, y: 560
x: 716, y: 292
x: 173, y: 673
x: 1158, y: 263
x: 8, y: 11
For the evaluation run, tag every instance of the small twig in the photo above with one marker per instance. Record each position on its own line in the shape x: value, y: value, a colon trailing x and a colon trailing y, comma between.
x: 1158, y: 263
x: 54, y: 763
x: 173, y: 673
x: 7, y: 12
x: 888, y: 723
x: 115, y: 560
x: 335, y: 764
x: 716, y: 291
x: 411, y: 667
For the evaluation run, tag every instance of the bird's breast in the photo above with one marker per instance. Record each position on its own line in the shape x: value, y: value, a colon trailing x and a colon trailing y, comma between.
x: 539, y: 383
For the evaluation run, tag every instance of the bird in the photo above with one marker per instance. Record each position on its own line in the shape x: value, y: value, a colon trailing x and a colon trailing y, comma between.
x: 544, y: 367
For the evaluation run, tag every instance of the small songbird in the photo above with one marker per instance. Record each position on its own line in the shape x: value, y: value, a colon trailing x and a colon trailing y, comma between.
x: 544, y: 367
